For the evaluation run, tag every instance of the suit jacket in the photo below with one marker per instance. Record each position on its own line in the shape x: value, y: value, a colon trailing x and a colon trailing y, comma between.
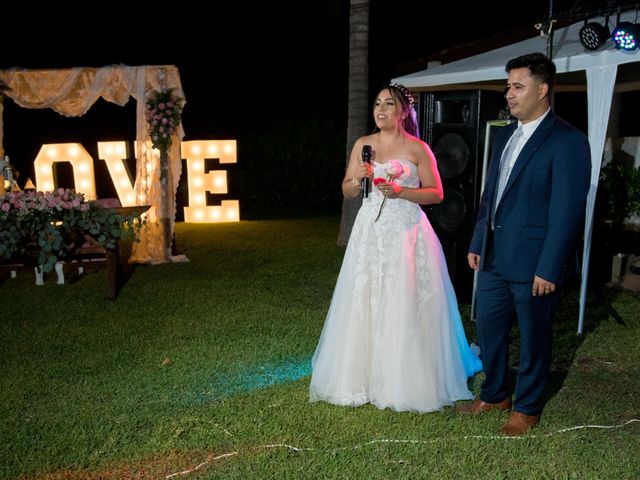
x: 542, y: 209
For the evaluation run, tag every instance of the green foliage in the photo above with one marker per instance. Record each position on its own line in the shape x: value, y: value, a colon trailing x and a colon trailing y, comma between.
x: 290, y: 169
x: 619, y: 191
x: 634, y: 191
x: 44, y: 228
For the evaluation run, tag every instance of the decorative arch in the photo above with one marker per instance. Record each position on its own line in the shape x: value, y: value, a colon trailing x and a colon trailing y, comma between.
x: 72, y: 92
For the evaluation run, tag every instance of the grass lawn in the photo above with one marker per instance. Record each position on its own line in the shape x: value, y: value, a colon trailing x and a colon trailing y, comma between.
x: 201, y: 370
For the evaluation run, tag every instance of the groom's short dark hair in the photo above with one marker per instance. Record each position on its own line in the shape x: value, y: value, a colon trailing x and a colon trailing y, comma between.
x: 538, y: 64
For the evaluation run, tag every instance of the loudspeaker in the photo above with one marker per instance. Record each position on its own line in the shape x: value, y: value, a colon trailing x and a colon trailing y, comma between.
x: 454, y: 125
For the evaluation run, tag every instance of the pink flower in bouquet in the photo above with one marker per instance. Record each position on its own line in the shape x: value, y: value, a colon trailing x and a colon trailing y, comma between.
x: 394, y: 170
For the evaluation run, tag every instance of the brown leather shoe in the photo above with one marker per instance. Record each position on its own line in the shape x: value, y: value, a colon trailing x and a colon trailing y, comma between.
x: 519, y: 424
x: 479, y: 406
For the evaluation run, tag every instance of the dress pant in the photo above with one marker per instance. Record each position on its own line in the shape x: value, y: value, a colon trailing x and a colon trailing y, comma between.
x: 499, y: 302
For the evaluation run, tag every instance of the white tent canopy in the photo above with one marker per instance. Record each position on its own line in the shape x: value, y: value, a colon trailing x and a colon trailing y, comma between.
x: 489, y: 67
x: 487, y: 70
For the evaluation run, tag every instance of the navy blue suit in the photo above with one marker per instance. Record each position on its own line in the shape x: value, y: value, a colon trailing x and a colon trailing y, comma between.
x: 537, y: 222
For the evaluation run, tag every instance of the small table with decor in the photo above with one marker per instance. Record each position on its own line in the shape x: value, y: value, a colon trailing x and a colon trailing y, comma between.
x: 89, y: 255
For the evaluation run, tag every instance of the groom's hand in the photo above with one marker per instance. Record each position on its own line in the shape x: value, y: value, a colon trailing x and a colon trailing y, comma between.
x: 542, y: 287
x: 474, y: 261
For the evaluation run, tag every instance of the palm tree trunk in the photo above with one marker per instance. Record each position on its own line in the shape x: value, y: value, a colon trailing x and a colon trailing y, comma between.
x: 166, y: 198
x: 358, y: 100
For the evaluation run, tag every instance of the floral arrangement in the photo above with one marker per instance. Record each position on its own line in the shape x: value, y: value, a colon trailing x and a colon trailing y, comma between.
x: 394, y: 170
x: 47, y: 227
x: 163, y: 111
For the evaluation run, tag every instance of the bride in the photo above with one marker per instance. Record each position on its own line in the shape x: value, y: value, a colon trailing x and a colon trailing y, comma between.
x: 393, y: 336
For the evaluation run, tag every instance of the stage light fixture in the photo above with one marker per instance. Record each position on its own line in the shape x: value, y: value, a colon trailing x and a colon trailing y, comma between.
x: 593, y: 35
x: 625, y: 36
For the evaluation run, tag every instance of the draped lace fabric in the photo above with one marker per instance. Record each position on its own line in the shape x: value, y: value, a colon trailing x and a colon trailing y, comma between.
x: 71, y: 92
x: 393, y: 335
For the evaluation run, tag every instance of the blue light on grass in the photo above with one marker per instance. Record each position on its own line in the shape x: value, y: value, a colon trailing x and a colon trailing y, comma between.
x: 247, y: 380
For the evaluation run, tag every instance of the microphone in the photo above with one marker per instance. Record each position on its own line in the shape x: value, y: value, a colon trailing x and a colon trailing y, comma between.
x: 365, y: 182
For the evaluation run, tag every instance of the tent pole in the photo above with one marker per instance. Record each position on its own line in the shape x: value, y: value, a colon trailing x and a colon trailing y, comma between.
x: 550, y: 32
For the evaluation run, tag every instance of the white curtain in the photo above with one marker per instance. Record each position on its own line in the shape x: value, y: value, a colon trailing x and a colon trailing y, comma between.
x: 600, y: 83
x: 72, y: 92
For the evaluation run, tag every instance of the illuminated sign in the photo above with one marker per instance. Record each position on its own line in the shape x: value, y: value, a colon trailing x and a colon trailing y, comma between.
x: 114, y: 154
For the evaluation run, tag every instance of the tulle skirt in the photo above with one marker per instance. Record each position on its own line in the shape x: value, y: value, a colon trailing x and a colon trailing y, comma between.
x: 393, y: 335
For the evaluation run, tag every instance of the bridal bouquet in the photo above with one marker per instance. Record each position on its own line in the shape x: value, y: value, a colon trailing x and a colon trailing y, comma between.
x: 394, y: 170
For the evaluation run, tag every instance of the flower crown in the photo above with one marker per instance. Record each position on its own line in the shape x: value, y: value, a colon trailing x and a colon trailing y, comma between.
x: 406, y: 94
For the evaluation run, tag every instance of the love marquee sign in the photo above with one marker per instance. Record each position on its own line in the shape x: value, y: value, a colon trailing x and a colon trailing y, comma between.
x: 114, y: 154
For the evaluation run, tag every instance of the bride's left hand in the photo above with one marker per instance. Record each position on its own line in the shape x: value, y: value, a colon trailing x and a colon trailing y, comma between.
x: 390, y: 189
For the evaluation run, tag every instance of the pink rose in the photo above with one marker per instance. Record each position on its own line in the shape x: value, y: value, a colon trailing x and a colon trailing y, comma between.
x: 394, y: 169
x: 378, y: 180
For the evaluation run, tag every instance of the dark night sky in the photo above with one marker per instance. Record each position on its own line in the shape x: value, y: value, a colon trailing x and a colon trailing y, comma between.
x: 244, y: 66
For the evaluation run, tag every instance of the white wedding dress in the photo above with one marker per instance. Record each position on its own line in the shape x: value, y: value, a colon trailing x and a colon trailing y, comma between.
x: 393, y: 335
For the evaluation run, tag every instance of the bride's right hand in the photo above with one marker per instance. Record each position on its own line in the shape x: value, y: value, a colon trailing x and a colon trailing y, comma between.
x: 364, y: 170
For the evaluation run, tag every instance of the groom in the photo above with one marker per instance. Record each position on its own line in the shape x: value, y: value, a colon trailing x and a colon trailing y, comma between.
x: 530, y: 216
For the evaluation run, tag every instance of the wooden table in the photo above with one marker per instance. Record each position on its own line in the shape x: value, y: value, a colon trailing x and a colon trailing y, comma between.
x: 90, y: 256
